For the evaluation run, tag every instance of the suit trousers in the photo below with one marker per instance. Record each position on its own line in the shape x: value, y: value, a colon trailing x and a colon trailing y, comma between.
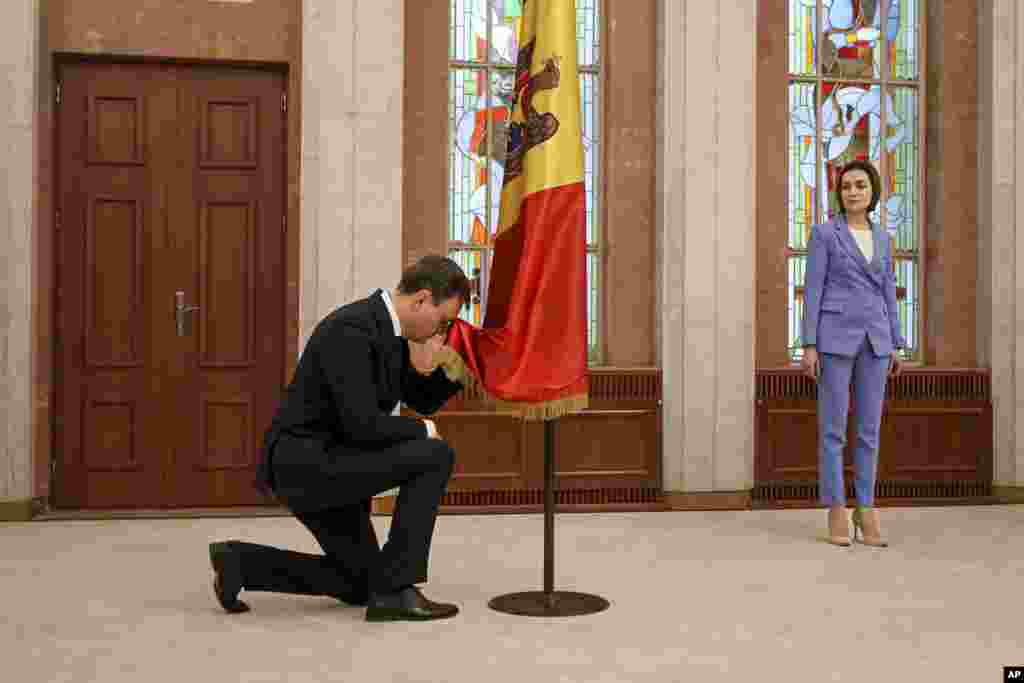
x: 868, y: 374
x: 333, y: 501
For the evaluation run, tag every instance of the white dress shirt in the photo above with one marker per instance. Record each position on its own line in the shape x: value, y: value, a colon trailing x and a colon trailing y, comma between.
x: 391, y: 309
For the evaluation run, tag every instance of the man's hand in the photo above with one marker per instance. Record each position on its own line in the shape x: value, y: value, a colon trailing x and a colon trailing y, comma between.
x: 895, y: 365
x: 423, y: 355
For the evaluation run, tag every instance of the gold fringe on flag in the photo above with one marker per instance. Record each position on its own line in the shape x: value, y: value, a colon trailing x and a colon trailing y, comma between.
x: 455, y: 369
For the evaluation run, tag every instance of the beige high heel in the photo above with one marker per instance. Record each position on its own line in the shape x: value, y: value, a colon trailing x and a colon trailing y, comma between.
x: 838, y: 526
x: 866, y: 519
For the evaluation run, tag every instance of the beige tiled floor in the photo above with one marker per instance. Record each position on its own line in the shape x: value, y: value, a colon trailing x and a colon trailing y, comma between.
x: 696, y: 596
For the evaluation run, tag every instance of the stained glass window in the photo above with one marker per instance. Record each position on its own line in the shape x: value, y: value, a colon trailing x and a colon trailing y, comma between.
x: 483, y: 42
x: 855, y: 92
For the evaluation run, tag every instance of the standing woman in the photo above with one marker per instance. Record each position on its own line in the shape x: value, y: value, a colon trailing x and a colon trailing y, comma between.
x: 851, y: 331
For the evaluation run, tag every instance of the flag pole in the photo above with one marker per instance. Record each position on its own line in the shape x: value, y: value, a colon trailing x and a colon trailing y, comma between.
x: 549, y: 602
x: 549, y: 510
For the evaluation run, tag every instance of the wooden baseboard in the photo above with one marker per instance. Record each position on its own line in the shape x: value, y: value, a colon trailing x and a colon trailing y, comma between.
x: 171, y: 513
x: 1009, y: 495
x: 807, y: 504
x: 708, y: 500
x: 17, y: 510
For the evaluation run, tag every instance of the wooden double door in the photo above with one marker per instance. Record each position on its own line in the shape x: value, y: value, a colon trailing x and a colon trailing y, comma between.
x: 170, y: 268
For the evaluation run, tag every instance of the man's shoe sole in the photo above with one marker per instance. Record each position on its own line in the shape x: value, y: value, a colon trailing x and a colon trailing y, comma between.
x: 390, y: 614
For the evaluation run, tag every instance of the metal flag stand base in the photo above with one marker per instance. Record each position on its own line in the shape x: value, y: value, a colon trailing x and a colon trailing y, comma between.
x: 549, y: 602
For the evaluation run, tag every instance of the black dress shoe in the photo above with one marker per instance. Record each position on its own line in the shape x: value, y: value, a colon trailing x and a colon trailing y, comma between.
x: 407, y: 604
x: 227, y: 580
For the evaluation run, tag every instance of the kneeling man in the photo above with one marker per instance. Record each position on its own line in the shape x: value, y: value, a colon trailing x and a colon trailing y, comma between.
x: 337, y: 440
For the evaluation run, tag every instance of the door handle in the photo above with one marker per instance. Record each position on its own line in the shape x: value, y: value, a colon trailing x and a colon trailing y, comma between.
x: 181, y: 311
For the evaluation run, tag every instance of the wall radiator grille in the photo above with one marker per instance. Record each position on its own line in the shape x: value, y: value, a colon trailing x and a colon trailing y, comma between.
x: 566, y: 497
x: 914, y: 384
x: 803, y: 491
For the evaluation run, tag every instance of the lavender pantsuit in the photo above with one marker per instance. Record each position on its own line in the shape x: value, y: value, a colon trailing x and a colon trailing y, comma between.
x: 850, y: 315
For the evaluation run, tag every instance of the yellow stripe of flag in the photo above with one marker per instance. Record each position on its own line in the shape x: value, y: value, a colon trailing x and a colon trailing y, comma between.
x: 551, y: 26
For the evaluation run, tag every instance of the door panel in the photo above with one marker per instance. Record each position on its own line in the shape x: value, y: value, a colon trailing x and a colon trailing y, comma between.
x: 107, y: 430
x: 113, y: 279
x: 171, y: 180
x: 227, y: 273
x: 229, y: 226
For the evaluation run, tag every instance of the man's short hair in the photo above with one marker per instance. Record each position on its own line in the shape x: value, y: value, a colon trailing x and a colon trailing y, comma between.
x: 440, y: 275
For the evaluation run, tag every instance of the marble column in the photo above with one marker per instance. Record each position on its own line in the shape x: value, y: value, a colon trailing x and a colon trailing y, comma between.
x: 18, y: 60
x: 351, y: 152
x: 707, y: 239
x: 1000, y: 216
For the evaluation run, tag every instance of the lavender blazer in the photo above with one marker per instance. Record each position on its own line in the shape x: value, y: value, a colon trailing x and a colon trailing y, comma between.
x: 845, y: 297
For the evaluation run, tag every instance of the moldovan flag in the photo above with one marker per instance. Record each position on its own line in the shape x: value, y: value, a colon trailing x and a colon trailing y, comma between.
x: 531, y: 353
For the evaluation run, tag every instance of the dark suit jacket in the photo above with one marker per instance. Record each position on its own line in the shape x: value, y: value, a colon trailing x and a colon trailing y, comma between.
x: 350, y: 376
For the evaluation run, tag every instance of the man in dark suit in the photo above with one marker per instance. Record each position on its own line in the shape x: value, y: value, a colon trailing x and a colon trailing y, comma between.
x: 337, y: 440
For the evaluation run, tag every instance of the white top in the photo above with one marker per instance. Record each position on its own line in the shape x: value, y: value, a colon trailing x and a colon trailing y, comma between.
x: 865, y: 242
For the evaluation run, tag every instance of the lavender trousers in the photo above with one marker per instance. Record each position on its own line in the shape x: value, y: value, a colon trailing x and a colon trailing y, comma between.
x: 868, y: 373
